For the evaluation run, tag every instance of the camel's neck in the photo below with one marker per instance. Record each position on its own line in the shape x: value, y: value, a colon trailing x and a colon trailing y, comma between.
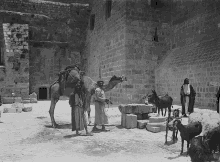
x: 110, y: 85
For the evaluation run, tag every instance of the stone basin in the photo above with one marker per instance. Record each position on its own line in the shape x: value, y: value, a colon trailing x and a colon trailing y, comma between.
x: 136, y: 108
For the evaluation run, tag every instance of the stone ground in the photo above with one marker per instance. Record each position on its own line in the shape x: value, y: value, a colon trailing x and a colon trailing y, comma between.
x: 28, y: 136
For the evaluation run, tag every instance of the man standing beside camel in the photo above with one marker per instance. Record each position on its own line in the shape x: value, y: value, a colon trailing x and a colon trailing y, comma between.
x: 100, y: 114
x: 79, y: 119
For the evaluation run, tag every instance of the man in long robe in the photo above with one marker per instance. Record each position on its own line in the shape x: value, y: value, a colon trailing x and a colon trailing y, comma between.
x: 101, y: 117
x: 79, y: 119
x: 187, y: 96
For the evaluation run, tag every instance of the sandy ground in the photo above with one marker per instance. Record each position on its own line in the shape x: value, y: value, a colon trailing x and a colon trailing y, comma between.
x: 28, y: 136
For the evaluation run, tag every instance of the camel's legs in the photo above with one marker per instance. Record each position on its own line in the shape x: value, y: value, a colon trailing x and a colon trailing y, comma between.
x: 51, y: 111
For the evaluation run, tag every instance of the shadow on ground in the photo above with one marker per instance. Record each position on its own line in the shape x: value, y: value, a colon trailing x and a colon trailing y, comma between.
x: 41, y: 117
x: 60, y: 126
x: 176, y: 157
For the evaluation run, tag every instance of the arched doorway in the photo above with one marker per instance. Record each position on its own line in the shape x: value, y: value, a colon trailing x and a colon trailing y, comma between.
x: 42, y: 95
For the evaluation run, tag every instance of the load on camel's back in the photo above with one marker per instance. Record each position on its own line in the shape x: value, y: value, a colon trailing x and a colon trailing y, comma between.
x: 65, y: 85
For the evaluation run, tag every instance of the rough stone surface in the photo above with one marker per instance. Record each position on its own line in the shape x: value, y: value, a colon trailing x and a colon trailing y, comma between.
x: 141, y: 124
x: 10, y: 100
x: 27, y: 109
x: 123, y: 120
x: 49, y: 37
x: 194, y: 53
x: 135, y: 108
x: 153, y: 129
x: 12, y: 110
x: 157, y: 119
x: 131, y: 121
x: 161, y: 46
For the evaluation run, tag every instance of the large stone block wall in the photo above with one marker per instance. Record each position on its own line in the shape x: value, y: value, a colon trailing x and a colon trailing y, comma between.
x: 194, y: 54
x: 142, y: 52
x: 16, y: 60
x: 46, y: 62
x: 105, y: 46
x: 56, y: 36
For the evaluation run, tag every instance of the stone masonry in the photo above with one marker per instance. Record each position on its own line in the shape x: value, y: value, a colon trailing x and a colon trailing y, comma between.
x: 194, y: 53
x: 17, y: 59
x: 105, y: 46
x: 163, y: 42
x: 56, y: 36
x: 123, y: 44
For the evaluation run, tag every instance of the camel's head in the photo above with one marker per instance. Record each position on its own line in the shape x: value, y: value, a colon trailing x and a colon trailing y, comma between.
x: 120, y: 79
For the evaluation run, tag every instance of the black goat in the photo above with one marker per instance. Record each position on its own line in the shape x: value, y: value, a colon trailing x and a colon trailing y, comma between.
x: 187, y: 132
x: 213, y: 138
x: 199, y: 150
x: 171, y: 126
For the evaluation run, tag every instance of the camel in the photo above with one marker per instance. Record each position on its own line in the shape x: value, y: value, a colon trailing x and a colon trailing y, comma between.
x: 65, y: 85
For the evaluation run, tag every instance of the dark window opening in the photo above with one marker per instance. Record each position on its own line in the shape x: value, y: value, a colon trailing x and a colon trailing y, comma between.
x: 22, y: 56
x: 30, y: 35
x: 108, y: 9
x: 92, y: 21
x: 156, y: 4
x: 155, y: 39
x: 42, y: 93
x: 1, y: 54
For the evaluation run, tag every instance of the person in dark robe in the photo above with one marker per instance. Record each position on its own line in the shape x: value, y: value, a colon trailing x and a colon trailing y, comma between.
x: 79, y: 118
x: 217, y: 101
x: 187, y: 97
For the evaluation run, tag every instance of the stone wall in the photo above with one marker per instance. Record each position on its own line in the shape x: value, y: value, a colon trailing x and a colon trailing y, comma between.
x: 16, y: 60
x: 194, y: 54
x: 143, y: 50
x: 104, y: 53
x: 56, y: 36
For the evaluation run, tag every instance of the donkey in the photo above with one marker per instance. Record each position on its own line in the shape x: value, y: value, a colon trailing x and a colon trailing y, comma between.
x: 161, y: 103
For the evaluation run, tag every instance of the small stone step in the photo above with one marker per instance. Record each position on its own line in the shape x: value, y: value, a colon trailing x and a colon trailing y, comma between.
x: 10, y: 100
x: 27, y: 109
x: 161, y: 125
x: 153, y: 129
x: 141, y: 124
x: 153, y: 115
x: 26, y: 101
x: 157, y: 119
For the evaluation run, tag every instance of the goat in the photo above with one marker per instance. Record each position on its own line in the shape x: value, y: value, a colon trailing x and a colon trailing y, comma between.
x: 171, y: 126
x: 199, y: 150
x: 187, y: 132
